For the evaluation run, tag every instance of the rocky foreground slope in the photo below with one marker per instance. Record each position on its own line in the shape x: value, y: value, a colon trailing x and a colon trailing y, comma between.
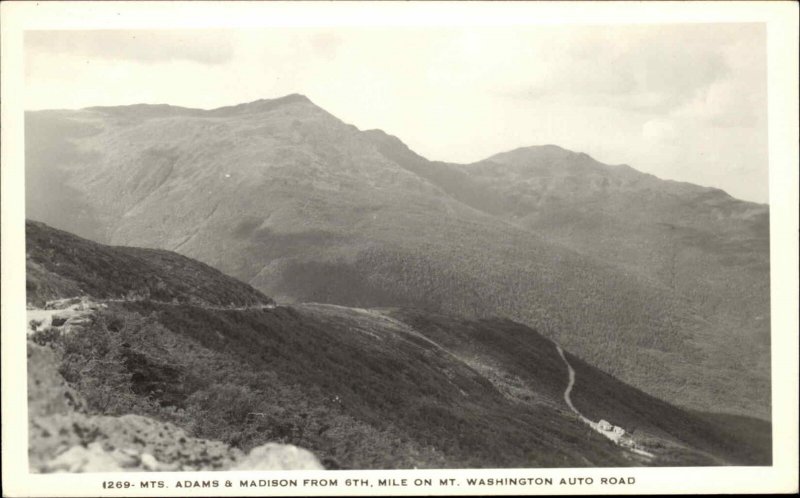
x: 129, y: 380
x: 65, y: 436
x: 664, y: 285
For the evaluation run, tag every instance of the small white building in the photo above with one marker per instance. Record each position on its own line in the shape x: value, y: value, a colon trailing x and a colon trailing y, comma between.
x: 604, y: 425
x: 612, y: 432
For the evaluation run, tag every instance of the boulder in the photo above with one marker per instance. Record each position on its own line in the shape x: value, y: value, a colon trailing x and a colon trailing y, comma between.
x: 91, y: 458
x: 149, y: 462
x: 273, y: 456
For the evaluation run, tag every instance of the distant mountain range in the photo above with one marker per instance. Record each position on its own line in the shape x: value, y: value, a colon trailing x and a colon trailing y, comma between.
x: 664, y: 285
x: 169, y: 339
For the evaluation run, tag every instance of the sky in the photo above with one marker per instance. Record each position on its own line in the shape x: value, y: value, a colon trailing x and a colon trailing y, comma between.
x: 686, y: 102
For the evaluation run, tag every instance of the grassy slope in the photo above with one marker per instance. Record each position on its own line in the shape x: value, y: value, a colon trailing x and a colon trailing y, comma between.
x: 597, y: 395
x: 739, y: 440
x: 389, y: 381
x: 363, y: 389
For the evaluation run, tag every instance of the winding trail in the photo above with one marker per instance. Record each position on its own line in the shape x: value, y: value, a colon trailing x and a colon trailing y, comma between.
x: 259, y: 306
x: 76, y: 313
x: 568, y: 390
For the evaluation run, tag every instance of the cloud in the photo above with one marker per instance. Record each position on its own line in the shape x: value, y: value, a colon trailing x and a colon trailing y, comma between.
x: 651, y: 69
x: 724, y: 104
x: 738, y: 100
x: 143, y: 46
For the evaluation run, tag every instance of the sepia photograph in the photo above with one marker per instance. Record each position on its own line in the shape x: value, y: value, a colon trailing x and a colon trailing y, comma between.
x: 288, y: 251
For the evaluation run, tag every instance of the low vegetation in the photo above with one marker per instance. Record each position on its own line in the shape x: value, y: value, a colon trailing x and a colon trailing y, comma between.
x: 388, y: 388
x: 60, y: 264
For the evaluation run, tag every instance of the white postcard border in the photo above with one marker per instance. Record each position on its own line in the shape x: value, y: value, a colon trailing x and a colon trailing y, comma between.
x: 782, y: 32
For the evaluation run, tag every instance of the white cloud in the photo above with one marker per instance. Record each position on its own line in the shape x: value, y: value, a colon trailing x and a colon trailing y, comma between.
x: 649, y: 69
x: 724, y: 103
x: 201, y: 46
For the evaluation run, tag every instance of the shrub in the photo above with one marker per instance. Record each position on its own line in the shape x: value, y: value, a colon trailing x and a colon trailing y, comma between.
x: 45, y: 336
x: 92, y: 362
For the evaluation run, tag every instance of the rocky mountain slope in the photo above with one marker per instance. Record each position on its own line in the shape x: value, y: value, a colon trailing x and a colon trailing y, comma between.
x: 360, y: 388
x: 663, y: 285
x: 65, y: 436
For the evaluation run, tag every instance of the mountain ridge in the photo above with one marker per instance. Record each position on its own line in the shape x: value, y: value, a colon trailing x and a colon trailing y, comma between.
x: 619, y: 268
x: 267, y: 104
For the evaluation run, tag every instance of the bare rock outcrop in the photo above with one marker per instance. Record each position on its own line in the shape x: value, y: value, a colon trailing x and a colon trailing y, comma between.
x: 62, y: 316
x: 279, y: 457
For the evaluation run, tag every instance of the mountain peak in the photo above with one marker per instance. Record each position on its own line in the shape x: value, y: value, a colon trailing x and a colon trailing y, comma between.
x: 538, y: 151
x: 262, y: 105
x: 547, y: 157
x: 292, y: 98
